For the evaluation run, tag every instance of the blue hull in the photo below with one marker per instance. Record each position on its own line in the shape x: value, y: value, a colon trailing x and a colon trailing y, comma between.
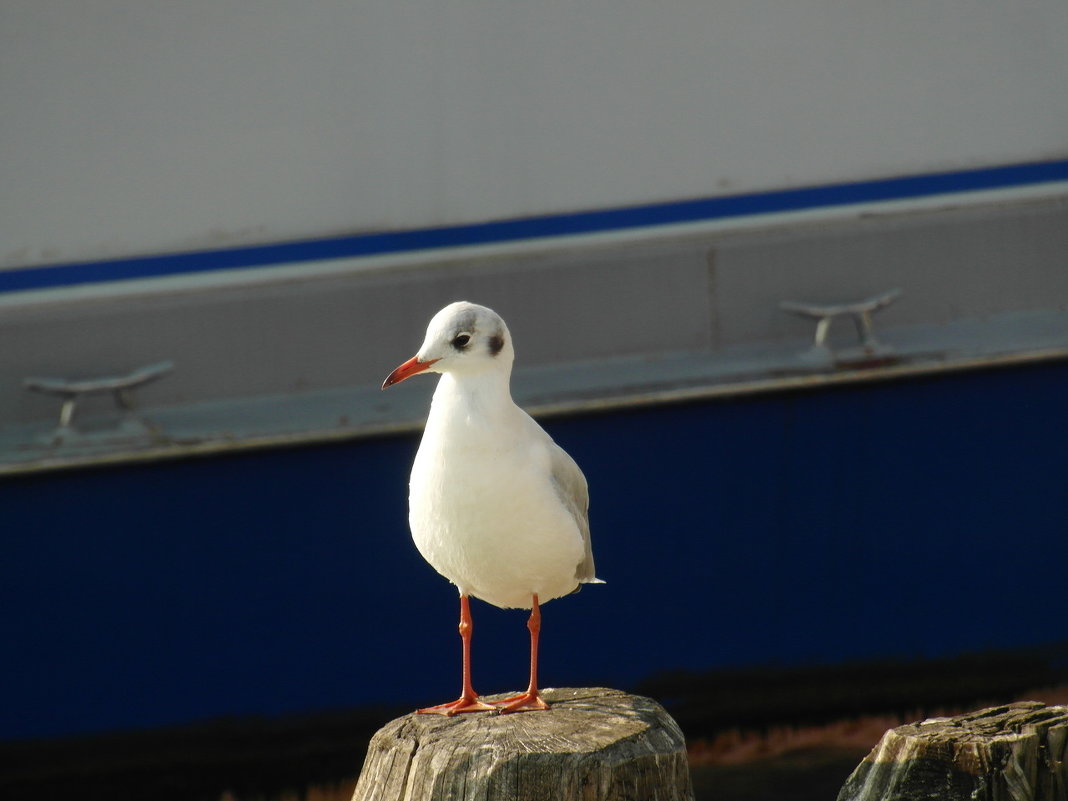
x: 915, y: 518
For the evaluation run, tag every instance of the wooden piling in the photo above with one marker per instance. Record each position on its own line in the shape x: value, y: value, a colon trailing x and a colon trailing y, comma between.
x: 1016, y: 752
x: 593, y: 745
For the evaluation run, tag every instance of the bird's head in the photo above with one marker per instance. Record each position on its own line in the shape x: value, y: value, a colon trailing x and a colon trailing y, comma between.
x: 462, y: 338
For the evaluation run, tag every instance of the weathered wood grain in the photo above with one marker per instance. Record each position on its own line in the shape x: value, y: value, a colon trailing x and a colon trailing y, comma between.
x: 1016, y: 752
x: 593, y: 745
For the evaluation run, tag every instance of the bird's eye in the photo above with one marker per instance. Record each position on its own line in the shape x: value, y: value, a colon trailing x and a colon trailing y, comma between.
x: 460, y: 341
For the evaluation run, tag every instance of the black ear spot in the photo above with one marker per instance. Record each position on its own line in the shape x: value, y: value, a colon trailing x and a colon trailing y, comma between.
x: 496, y: 342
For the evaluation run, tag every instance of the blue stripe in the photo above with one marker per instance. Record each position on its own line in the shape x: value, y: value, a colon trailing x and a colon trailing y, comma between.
x: 618, y: 219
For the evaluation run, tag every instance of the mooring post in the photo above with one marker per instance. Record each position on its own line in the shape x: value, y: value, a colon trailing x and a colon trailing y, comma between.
x: 1016, y: 752
x: 592, y: 745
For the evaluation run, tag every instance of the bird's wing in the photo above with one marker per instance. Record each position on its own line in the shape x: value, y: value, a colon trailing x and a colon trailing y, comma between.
x: 570, y: 485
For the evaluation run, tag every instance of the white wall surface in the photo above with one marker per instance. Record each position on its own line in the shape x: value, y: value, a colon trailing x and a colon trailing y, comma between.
x: 147, y: 126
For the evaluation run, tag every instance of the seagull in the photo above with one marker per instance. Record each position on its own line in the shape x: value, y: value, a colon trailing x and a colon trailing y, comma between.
x: 495, y: 506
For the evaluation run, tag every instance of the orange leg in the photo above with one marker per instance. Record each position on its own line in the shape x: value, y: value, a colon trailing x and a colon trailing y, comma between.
x: 531, y: 699
x: 468, y: 700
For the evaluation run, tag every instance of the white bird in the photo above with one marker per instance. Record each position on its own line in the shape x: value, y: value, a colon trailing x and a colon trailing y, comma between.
x: 495, y: 506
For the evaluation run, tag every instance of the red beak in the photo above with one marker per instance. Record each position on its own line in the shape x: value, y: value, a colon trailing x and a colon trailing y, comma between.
x: 406, y: 370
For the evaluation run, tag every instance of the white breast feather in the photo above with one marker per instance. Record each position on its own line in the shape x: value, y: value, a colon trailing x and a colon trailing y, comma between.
x: 487, y: 515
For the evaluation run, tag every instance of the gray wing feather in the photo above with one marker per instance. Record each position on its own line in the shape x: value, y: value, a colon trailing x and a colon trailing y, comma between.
x: 571, y: 486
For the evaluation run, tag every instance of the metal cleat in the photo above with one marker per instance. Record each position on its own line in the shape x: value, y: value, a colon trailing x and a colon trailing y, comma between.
x: 861, y: 312
x: 121, y: 388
